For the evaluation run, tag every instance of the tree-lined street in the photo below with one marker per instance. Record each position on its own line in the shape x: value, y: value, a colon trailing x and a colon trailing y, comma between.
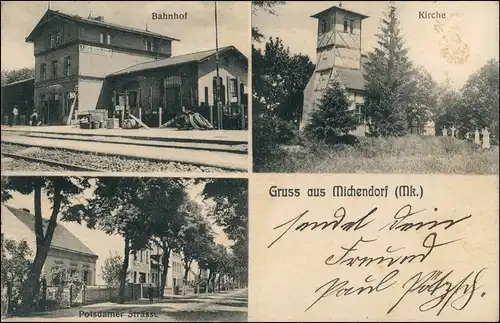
x: 222, y: 307
x: 147, y: 214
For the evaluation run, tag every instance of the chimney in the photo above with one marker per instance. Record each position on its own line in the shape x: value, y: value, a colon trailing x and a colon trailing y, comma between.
x: 99, y: 18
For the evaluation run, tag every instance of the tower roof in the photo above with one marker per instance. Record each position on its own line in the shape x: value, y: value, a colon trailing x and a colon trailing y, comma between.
x: 335, y: 8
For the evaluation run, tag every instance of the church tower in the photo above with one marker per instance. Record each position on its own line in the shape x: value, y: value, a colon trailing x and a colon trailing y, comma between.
x: 338, y: 55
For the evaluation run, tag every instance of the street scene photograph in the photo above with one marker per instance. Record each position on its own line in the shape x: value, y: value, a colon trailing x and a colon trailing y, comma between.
x: 124, y: 248
x: 101, y: 86
x: 375, y: 87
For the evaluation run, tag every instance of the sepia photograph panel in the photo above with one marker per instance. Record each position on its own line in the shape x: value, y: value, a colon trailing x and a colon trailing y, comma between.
x: 125, y: 86
x: 126, y: 248
x: 375, y: 87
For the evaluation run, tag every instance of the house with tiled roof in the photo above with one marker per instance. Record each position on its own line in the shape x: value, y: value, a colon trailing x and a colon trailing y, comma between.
x: 66, y: 250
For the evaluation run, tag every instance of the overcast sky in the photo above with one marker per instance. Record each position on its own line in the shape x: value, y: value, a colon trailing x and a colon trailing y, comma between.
x: 196, y: 33
x: 98, y: 241
x: 476, y: 22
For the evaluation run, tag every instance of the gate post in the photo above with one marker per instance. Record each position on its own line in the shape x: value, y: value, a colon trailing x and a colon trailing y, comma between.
x: 9, y: 296
x: 70, y: 295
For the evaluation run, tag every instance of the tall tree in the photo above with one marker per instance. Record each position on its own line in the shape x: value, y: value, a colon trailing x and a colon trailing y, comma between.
x: 231, y: 214
x: 240, y: 262
x: 195, y: 238
x: 165, y: 203
x: 387, y: 73
x: 333, y: 117
x: 279, y: 79
x: 231, y: 205
x: 10, y: 76
x: 447, y: 109
x: 208, y: 262
x: 266, y: 6
x: 117, y: 208
x: 59, y: 190
x: 480, y: 99
x: 422, y: 93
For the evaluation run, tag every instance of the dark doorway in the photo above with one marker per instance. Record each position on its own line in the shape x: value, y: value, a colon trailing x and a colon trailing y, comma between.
x: 52, y: 110
x: 173, y: 101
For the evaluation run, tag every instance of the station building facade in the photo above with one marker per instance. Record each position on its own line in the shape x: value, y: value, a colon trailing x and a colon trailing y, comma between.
x: 88, y: 64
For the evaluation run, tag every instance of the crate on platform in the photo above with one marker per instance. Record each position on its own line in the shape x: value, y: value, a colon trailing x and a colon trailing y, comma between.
x: 113, y: 123
x: 95, y: 115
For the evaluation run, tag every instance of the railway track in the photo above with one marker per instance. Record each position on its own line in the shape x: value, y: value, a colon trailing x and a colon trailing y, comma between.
x: 31, y: 155
x: 49, y: 162
x: 217, y: 146
x: 116, y: 153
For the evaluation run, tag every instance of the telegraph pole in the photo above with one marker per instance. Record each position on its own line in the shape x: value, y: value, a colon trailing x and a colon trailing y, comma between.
x: 218, y: 107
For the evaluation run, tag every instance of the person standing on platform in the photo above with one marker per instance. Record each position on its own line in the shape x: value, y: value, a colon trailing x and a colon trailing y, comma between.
x: 34, y: 119
x: 15, y: 113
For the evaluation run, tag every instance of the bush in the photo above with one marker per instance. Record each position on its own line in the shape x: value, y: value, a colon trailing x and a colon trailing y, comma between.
x: 15, y: 269
x: 268, y: 133
x: 333, y: 117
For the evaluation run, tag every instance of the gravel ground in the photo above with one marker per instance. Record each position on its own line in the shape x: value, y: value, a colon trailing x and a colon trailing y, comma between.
x: 10, y: 164
x: 102, y: 162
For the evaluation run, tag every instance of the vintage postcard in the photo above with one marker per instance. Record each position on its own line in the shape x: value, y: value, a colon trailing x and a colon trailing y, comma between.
x: 261, y: 161
x: 102, y: 86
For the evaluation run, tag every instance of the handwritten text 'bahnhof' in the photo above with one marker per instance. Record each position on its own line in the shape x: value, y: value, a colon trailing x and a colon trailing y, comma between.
x: 435, y: 283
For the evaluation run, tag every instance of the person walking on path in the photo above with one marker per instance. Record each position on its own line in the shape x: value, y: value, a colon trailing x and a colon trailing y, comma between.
x: 150, y: 293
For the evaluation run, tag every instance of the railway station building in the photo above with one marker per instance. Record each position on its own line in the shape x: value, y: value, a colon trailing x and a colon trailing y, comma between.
x: 88, y: 65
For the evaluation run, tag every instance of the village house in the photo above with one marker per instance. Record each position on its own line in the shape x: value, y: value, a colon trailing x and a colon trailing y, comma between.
x: 88, y: 65
x: 339, y: 57
x: 144, y: 269
x: 66, y: 251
